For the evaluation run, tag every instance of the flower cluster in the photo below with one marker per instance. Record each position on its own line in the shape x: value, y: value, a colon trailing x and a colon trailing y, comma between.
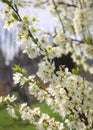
x: 67, y: 94
x: 19, y: 78
x: 11, y: 111
x: 46, y: 71
x: 8, y: 18
x: 7, y: 99
x: 41, y: 120
x: 70, y: 96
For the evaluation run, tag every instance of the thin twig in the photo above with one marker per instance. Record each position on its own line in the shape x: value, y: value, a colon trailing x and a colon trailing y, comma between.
x: 59, y: 16
x: 67, y: 4
x: 16, y: 11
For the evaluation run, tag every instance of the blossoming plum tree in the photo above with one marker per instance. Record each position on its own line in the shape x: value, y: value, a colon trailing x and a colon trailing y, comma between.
x: 68, y: 94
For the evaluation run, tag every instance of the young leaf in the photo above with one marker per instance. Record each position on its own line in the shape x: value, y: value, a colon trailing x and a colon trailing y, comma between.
x: 89, y: 41
x: 35, y: 40
x: 8, y: 2
x: 15, y: 15
x: 75, y: 70
x: 17, y: 68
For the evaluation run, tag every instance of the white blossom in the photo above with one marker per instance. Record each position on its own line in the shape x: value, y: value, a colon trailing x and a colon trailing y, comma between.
x: 11, y: 111
x: 19, y: 78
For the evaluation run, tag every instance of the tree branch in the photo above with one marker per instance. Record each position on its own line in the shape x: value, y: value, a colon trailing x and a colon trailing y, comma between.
x: 59, y: 16
x: 67, y: 4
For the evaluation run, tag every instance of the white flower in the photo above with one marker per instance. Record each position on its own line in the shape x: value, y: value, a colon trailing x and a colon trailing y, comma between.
x: 45, y: 71
x: 23, y: 105
x: 1, y: 99
x: 11, y: 111
x: 9, y: 99
x: 19, y: 78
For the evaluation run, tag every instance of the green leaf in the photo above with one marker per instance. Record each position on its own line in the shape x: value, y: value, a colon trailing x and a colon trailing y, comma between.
x: 15, y: 15
x: 10, y: 21
x: 35, y: 40
x: 8, y: 2
x: 78, y: 57
x: 24, y: 72
x: 17, y: 68
x: 89, y: 41
x: 75, y: 70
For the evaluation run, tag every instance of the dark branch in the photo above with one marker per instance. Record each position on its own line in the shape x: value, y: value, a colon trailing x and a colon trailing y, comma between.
x: 15, y: 9
x: 82, y: 117
x: 67, y: 4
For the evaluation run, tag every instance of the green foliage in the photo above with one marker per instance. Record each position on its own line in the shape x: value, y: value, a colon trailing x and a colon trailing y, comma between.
x: 89, y: 40
x: 10, y: 21
x: 17, y: 68
x: 8, y: 2
x: 15, y: 16
x: 35, y: 40
x: 8, y: 123
x: 75, y: 70
x: 78, y: 57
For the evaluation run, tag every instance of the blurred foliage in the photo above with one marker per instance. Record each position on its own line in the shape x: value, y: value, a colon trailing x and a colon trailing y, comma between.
x: 8, y: 123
